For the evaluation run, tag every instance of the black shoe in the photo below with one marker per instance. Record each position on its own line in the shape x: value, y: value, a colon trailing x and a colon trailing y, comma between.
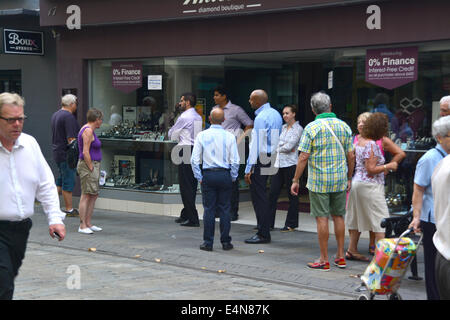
x: 287, y: 229
x: 73, y: 213
x: 206, y: 247
x: 257, y: 239
x: 180, y: 220
x: 234, y: 218
x: 188, y: 223
x: 227, y: 246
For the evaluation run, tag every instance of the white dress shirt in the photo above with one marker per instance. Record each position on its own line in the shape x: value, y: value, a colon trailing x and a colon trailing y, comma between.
x: 215, y: 148
x: 26, y: 176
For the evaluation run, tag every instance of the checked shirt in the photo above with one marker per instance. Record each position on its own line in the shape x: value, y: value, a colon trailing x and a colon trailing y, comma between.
x: 327, y: 164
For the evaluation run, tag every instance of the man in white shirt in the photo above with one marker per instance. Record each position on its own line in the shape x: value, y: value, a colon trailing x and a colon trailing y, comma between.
x: 25, y: 176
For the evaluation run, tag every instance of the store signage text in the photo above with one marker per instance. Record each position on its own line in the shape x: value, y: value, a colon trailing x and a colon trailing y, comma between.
x: 393, y: 67
x: 374, y: 20
x: 23, y: 42
x: 126, y: 76
x: 213, y: 6
x: 74, y: 20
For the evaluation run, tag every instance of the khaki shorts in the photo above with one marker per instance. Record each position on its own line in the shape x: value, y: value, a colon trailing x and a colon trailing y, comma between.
x: 89, y: 179
x: 326, y: 204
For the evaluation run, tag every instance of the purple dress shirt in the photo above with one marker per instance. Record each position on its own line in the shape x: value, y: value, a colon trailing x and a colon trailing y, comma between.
x: 188, y: 125
x: 235, y: 117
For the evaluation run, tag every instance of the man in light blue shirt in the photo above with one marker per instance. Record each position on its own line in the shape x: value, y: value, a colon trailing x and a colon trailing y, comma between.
x: 216, y: 150
x: 261, y: 159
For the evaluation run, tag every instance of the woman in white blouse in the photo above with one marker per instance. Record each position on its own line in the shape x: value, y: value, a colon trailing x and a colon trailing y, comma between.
x: 286, y: 161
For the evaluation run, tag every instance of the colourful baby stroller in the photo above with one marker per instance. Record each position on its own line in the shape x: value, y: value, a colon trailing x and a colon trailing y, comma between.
x: 389, y: 264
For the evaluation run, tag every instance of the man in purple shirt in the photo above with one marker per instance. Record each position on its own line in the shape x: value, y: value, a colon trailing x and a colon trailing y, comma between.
x: 185, y: 130
x: 235, y: 119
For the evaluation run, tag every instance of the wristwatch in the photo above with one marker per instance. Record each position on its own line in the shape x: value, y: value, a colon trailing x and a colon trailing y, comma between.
x: 295, y: 180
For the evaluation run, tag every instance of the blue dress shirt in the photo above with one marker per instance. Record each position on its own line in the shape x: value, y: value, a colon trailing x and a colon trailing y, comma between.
x: 424, y: 170
x: 215, y: 148
x: 265, y: 134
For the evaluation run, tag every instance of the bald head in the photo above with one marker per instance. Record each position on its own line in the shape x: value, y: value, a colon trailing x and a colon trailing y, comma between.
x: 258, y: 98
x: 217, y: 116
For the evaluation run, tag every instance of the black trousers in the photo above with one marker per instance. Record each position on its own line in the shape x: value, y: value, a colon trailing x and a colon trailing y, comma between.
x: 13, y: 243
x: 443, y: 276
x: 188, y: 190
x: 235, y: 199
x: 260, y: 199
x: 284, y: 176
x: 429, y: 251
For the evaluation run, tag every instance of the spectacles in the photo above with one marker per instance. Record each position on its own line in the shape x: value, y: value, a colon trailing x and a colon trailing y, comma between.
x: 13, y: 120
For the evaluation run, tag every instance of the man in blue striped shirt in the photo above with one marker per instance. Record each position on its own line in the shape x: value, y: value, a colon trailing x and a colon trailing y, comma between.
x: 261, y: 159
x: 216, y: 150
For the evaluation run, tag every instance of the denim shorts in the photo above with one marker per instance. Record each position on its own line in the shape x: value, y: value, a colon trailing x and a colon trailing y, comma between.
x: 66, y: 177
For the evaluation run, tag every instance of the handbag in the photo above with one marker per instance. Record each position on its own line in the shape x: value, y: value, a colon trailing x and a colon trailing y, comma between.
x: 72, y: 154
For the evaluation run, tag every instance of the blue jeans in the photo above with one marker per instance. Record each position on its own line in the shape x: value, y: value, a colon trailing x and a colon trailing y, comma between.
x: 66, y: 177
x: 216, y: 192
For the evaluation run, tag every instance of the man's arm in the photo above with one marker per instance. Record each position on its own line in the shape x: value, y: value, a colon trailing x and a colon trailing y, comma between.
x: 196, y: 159
x: 47, y: 195
x: 417, y: 203
x: 351, y: 167
x: 301, y: 165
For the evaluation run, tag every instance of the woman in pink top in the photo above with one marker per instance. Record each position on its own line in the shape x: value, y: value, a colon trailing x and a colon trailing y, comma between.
x: 385, y: 145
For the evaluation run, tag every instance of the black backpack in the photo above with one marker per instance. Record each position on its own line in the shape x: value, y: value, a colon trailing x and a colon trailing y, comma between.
x: 72, y: 154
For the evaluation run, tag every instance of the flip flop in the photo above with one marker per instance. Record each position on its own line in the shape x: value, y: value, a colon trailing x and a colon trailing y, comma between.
x: 356, y: 257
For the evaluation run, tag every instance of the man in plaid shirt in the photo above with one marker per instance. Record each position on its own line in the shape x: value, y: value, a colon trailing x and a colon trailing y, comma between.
x: 326, y: 146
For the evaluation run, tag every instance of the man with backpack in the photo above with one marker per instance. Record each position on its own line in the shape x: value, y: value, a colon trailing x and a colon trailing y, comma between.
x: 65, y: 130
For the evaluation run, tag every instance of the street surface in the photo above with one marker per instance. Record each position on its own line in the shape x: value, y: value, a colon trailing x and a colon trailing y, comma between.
x: 141, y: 257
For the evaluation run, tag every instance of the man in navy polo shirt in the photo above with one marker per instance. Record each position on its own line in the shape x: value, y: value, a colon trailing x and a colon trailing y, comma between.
x: 64, y: 130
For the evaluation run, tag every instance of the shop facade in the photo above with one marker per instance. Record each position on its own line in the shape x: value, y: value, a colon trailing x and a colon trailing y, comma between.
x: 28, y: 67
x: 137, y: 59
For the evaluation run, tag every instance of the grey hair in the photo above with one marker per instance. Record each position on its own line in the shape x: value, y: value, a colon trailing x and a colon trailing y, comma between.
x: 445, y: 100
x: 441, y: 127
x: 320, y: 102
x: 11, y: 98
x: 68, y: 99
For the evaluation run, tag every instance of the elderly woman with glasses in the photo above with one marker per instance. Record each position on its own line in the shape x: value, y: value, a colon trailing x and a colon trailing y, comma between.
x: 423, y: 203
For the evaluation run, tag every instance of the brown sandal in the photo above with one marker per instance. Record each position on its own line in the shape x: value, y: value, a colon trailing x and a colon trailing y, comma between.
x: 356, y: 257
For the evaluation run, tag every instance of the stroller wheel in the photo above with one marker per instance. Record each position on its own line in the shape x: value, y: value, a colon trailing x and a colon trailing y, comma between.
x: 363, y: 297
x: 395, y: 296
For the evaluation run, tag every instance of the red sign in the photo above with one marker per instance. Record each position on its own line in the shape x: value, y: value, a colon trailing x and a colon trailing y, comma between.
x: 126, y: 76
x: 392, y: 67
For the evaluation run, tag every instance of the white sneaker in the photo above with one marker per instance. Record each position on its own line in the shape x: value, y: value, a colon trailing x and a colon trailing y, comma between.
x: 95, y: 228
x: 85, y: 231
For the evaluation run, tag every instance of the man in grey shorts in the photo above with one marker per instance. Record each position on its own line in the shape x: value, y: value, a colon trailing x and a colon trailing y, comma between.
x: 326, y: 146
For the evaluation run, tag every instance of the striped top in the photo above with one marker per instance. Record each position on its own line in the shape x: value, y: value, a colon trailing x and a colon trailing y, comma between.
x: 327, y: 164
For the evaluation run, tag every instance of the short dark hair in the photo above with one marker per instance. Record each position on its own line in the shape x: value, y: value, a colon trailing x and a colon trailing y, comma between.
x: 381, y: 98
x: 221, y: 90
x: 376, y: 126
x: 293, y: 108
x: 94, y: 114
x: 189, y: 96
